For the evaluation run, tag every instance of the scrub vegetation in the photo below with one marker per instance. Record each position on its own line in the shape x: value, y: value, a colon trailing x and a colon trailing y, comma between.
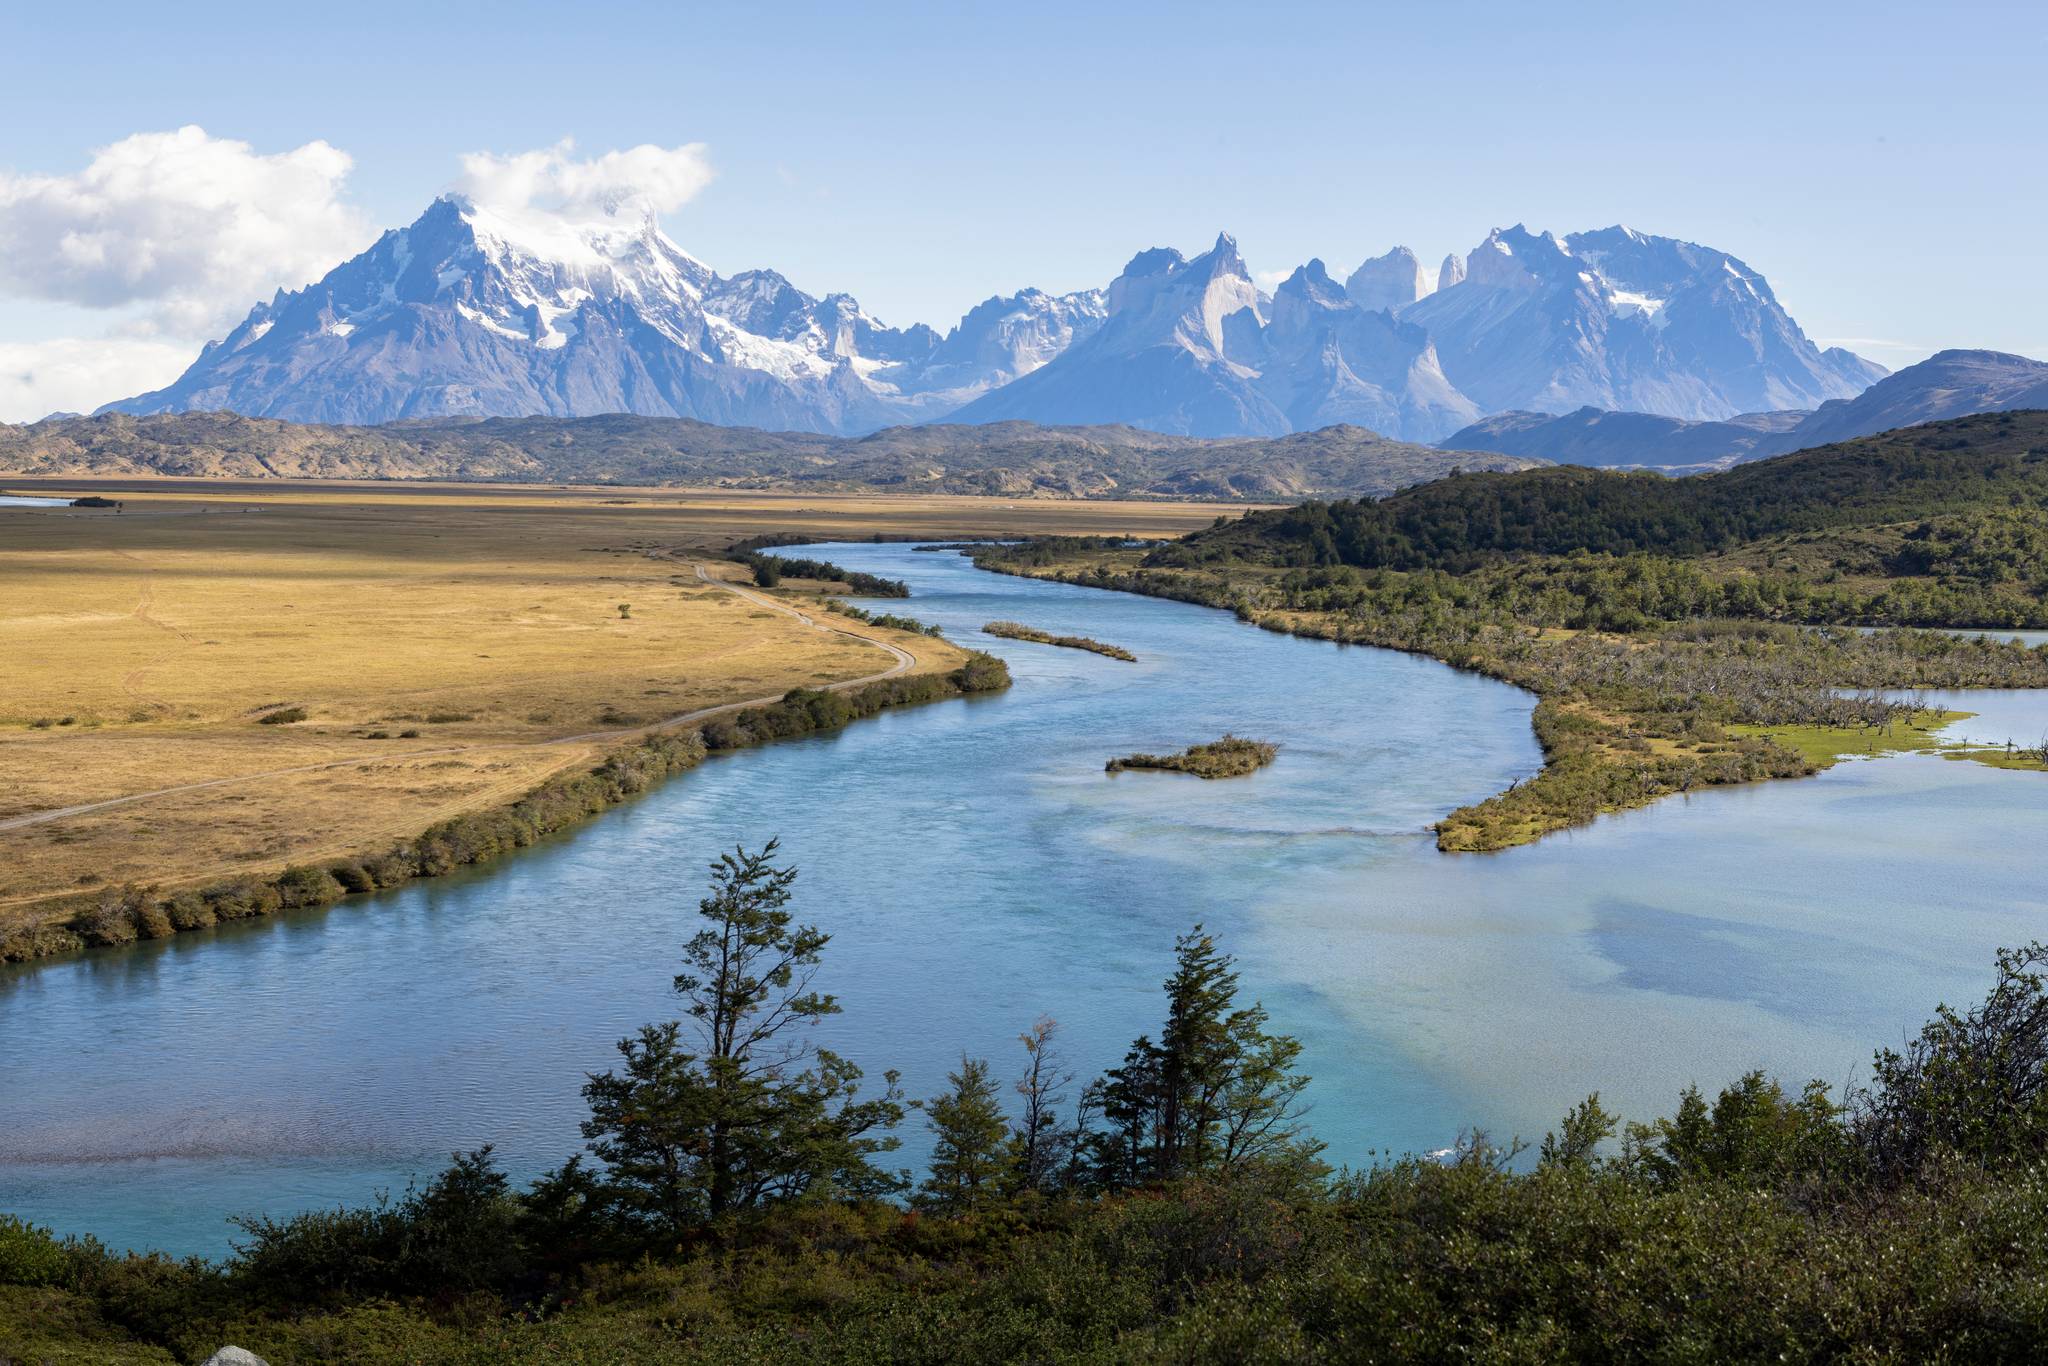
x: 1013, y: 630
x: 1230, y: 757
x: 734, y: 1202
x: 1662, y: 660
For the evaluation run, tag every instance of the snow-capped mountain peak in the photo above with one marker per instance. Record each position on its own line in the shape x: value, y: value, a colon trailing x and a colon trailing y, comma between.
x: 478, y: 309
x: 1620, y: 319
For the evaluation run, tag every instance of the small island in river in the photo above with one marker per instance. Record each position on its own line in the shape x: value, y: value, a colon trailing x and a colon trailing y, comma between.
x: 1014, y: 630
x: 1233, y: 756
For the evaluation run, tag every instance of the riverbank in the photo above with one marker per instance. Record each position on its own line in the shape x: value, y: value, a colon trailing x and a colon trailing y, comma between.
x: 227, y: 680
x: 1624, y: 719
x: 128, y: 913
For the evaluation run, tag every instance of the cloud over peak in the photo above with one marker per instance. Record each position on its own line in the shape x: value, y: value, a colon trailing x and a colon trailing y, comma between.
x: 643, y: 179
x: 187, y: 224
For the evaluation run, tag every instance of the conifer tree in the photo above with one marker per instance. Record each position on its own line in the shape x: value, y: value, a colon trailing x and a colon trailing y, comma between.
x: 1217, y: 1092
x: 971, y: 1158
x: 758, y: 1113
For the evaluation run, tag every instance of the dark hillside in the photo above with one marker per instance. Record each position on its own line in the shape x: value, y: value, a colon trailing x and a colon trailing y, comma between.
x: 1970, y: 467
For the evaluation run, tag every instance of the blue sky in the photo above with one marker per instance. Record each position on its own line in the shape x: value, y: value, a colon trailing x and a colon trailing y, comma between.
x: 1881, y: 163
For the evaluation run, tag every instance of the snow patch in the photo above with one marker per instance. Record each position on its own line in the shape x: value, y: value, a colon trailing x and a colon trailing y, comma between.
x: 1625, y: 302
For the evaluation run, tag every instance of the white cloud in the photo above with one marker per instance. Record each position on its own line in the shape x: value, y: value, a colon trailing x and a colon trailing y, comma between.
x: 555, y: 180
x: 191, y: 227
x: 77, y: 374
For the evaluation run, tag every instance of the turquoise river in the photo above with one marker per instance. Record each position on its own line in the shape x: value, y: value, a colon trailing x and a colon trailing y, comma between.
x: 976, y: 868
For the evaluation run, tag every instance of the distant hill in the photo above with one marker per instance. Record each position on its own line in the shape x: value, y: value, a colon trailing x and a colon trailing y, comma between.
x: 1011, y: 459
x: 1949, y: 384
x: 1992, y: 465
x: 1598, y: 437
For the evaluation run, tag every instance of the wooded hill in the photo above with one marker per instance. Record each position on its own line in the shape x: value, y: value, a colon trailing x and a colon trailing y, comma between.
x: 1969, y: 493
x: 1009, y: 459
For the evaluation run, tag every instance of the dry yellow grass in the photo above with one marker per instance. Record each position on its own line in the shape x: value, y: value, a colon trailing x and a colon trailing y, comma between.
x: 138, y: 649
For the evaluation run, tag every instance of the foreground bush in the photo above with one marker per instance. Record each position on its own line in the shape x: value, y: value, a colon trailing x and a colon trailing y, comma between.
x: 729, y: 1213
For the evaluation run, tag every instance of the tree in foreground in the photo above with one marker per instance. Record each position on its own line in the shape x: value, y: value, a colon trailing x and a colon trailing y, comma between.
x: 1043, y: 1148
x: 1974, y: 1083
x: 972, y: 1159
x: 1216, y: 1093
x: 749, y: 1112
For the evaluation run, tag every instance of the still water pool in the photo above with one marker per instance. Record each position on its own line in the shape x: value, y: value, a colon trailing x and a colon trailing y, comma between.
x: 977, y: 868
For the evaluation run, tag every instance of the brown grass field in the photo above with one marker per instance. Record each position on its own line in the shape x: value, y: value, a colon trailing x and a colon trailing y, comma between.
x: 451, y: 645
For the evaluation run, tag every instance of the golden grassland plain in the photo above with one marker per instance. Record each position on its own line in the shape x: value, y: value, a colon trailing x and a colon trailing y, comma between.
x: 450, y: 646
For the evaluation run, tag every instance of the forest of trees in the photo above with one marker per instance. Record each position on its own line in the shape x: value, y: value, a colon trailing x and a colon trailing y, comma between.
x: 734, y: 1202
x: 1970, y: 468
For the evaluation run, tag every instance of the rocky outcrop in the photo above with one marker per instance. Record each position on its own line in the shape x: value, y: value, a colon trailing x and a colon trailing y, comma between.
x: 1390, y: 282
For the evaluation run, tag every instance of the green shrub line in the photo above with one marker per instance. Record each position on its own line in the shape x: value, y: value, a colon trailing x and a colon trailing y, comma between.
x: 887, y: 620
x: 770, y: 570
x: 1017, y: 630
x: 122, y: 915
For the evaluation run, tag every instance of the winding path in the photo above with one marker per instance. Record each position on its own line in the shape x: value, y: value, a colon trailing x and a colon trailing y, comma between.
x: 904, y: 662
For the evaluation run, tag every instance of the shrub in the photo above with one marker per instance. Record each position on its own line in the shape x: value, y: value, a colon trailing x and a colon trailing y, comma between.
x: 457, y: 1235
x: 242, y: 898
x: 189, y: 911
x: 352, y: 876
x: 113, y: 918
x: 305, y: 886
x: 29, y: 1255
x: 283, y: 717
x: 152, y: 921
x: 394, y: 869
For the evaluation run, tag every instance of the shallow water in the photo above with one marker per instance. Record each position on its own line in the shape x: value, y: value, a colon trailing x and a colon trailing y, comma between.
x: 977, y: 868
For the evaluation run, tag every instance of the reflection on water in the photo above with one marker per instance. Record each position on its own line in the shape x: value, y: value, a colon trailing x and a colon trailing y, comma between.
x: 977, y: 868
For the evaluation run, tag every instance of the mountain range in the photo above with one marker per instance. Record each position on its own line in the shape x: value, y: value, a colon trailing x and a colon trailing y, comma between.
x: 1946, y: 385
x: 485, y: 312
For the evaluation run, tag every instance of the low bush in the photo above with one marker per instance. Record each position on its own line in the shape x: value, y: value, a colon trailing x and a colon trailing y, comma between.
x: 189, y: 911
x: 352, y: 876
x: 242, y: 898
x: 304, y: 886
x: 284, y: 717
x: 30, y: 1255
